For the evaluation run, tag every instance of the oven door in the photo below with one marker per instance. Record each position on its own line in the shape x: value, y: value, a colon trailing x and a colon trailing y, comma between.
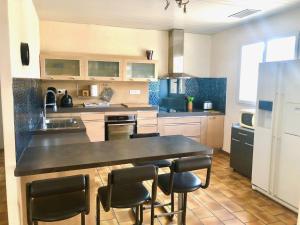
x: 117, y: 131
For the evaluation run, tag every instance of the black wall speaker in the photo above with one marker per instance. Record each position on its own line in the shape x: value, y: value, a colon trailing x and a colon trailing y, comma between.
x: 25, y: 55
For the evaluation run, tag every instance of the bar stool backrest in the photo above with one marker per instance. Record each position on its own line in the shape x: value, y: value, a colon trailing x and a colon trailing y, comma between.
x: 129, y: 176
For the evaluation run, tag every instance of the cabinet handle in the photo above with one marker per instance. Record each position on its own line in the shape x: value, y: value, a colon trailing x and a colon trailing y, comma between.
x: 52, y: 78
x: 93, y: 78
x: 112, y: 78
x: 236, y: 140
x: 242, y: 134
x: 248, y: 144
x: 72, y: 78
x: 130, y: 79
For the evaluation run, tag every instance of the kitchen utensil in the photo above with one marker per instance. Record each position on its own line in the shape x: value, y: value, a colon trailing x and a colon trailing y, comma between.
x: 207, y: 105
x: 106, y: 94
x: 51, y: 98
x: 66, y: 100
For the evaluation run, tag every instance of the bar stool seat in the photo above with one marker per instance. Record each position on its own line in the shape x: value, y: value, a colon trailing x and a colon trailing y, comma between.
x: 124, y: 196
x: 183, y: 182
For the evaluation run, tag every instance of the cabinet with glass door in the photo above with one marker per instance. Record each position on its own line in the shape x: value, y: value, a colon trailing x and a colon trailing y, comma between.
x: 61, y: 67
x: 102, y: 68
x: 140, y: 70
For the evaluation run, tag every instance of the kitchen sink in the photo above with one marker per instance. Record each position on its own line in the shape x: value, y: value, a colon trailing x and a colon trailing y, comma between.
x: 61, y: 124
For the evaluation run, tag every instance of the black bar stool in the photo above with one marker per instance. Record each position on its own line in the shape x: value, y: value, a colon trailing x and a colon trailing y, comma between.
x: 158, y: 163
x: 125, y: 190
x: 182, y: 181
x: 57, y: 199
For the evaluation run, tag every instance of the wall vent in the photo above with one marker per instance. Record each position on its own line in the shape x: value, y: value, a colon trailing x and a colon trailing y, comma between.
x: 244, y: 13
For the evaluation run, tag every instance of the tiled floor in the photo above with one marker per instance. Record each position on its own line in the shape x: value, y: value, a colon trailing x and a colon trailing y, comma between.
x: 228, y: 200
x: 3, y: 209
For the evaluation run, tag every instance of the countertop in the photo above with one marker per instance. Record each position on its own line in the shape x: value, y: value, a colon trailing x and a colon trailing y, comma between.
x: 193, y: 113
x: 120, y: 108
x: 46, y: 159
x: 47, y: 139
x: 112, y: 108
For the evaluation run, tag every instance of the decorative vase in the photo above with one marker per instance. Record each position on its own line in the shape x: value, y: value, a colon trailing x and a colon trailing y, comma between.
x: 149, y: 54
x: 190, y: 106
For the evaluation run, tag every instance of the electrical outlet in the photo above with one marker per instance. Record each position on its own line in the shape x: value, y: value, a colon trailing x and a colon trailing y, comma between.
x: 135, y: 92
x: 61, y: 91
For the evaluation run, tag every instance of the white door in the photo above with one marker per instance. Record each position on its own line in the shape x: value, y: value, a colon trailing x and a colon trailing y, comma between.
x: 287, y: 176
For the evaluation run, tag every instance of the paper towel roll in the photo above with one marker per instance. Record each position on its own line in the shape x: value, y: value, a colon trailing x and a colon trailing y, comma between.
x: 94, y: 90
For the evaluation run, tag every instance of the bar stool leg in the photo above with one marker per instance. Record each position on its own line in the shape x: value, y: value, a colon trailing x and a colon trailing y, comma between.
x: 184, y: 209
x: 82, y: 219
x: 137, y: 215
x: 172, y: 205
x: 97, y: 210
x: 141, y: 214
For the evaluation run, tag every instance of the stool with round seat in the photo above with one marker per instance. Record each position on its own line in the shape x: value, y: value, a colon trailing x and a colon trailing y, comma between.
x: 182, y: 181
x: 126, y: 190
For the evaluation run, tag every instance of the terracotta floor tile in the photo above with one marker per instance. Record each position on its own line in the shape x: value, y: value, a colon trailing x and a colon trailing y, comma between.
x: 245, y: 216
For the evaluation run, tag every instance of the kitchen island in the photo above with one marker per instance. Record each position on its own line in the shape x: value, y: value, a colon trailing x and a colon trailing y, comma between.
x: 50, y: 161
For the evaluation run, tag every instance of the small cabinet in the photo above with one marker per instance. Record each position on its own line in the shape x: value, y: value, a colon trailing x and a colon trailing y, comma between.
x: 215, y: 131
x: 147, y: 122
x: 241, y: 151
x: 140, y: 70
x: 104, y: 69
x: 61, y: 67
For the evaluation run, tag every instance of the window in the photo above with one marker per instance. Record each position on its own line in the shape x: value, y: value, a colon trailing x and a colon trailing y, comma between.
x: 270, y: 51
x: 281, y: 49
x: 252, y: 55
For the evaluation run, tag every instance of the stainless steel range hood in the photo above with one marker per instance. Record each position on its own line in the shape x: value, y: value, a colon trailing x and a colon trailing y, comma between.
x: 176, y: 55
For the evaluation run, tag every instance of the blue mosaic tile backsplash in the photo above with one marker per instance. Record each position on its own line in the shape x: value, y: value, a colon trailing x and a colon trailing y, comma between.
x: 203, y: 89
x: 27, y: 107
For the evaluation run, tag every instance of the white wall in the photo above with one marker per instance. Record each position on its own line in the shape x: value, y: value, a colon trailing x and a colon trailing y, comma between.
x: 87, y: 38
x: 225, y: 55
x: 24, y: 27
x: 18, y: 22
x: 197, y: 49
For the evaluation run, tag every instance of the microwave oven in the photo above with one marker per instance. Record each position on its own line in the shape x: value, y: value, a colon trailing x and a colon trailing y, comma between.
x: 247, y: 118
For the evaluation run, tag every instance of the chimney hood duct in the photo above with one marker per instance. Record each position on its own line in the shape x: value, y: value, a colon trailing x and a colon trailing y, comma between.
x: 176, y: 55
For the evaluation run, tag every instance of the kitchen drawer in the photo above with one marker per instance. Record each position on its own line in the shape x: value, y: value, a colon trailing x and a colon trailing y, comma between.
x: 190, y: 130
x: 146, y: 114
x: 95, y: 130
x: 92, y: 116
x: 243, y: 135
x: 151, y: 121
x: 180, y: 120
x: 62, y: 115
x: 147, y: 129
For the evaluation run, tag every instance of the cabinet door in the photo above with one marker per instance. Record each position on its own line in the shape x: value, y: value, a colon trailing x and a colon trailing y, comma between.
x: 215, y: 131
x: 61, y: 67
x: 236, y: 154
x: 104, y: 70
x: 95, y: 130
x: 142, y: 70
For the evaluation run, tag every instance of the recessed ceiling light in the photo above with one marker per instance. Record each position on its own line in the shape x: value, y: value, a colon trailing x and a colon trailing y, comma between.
x: 244, y: 13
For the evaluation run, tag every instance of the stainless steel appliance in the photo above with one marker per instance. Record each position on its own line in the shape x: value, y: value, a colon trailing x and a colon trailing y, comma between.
x: 207, y: 105
x: 120, y: 127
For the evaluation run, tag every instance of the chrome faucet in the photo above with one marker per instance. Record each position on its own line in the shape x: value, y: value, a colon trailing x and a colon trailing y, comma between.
x: 54, y: 105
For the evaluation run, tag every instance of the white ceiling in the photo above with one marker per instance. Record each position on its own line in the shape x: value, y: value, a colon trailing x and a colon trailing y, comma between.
x: 203, y: 16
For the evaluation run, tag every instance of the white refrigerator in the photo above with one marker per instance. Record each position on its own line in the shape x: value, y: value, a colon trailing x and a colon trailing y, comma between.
x: 276, y: 155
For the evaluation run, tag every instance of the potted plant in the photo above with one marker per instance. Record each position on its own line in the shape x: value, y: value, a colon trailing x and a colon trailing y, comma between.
x: 190, y: 100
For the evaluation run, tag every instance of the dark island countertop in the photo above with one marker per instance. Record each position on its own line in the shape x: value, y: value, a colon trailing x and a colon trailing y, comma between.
x: 47, y: 159
x: 51, y: 139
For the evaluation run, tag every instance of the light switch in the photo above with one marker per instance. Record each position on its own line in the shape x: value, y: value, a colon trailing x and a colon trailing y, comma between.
x: 135, y: 92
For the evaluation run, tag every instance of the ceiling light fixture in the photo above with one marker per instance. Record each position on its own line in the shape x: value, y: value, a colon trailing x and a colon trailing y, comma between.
x: 180, y: 3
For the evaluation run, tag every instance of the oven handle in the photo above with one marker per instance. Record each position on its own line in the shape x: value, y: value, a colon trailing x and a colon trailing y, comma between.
x: 121, y: 124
